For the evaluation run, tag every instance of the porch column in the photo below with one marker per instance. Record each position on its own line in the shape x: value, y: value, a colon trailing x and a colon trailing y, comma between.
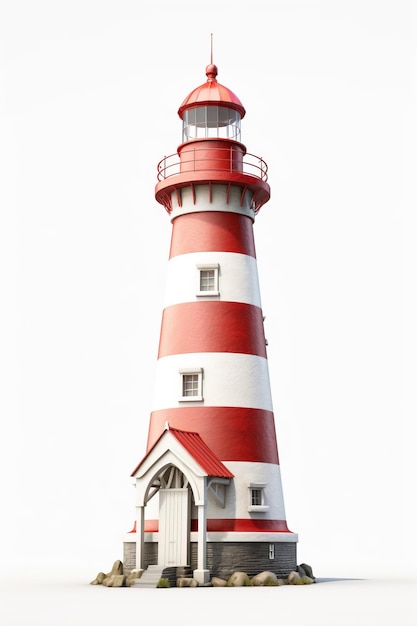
x: 201, y: 574
x: 140, y: 517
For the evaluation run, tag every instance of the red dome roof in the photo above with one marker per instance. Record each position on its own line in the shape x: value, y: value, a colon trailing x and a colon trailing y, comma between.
x: 212, y: 93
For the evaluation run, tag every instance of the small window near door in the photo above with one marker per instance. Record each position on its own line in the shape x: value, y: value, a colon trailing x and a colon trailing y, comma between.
x: 256, y: 497
x: 191, y: 385
x: 257, y: 500
x: 208, y: 279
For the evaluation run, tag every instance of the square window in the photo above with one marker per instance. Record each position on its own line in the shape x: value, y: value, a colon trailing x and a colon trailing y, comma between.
x: 257, y: 501
x: 208, y: 280
x: 191, y: 385
x: 256, y: 497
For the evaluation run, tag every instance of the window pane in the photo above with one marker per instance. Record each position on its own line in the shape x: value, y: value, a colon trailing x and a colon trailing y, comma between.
x: 212, y: 117
x: 256, y: 497
x: 226, y: 116
x: 190, y: 385
x: 207, y: 280
x: 200, y: 116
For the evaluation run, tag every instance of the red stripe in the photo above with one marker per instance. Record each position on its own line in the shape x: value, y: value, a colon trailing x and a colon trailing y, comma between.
x: 230, y: 525
x: 212, y: 231
x: 232, y: 433
x: 212, y: 326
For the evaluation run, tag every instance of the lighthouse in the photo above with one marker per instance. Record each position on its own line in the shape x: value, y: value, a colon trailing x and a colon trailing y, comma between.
x: 208, y: 488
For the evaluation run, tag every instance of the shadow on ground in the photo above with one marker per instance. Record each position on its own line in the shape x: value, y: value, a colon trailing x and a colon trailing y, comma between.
x: 336, y: 580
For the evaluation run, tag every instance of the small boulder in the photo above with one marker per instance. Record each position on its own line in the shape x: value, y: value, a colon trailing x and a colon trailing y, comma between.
x: 265, y: 579
x: 99, y: 579
x: 115, y: 580
x: 187, y: 582
x: 306, y: 570
x: 239, y: 579
x: 300, y: 570
x: 306, y: 580
x: 293, y: 578
x: 117, y: 569
x: 134, y: 575
x: 218, y: 582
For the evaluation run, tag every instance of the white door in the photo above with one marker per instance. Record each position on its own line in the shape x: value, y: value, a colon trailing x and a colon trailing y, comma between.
x: 173, y: 527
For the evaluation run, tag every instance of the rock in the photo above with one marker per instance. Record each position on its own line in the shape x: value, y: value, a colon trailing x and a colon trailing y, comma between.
x: 265, y: 579
x: 300, y: 570
x: 306, y: 580
x: 187, y: 582
x: 99, y: 579
x: 119, y: 580
x: 115, y: 580
x: 218, y: 582
x: 307, y: 570
x: 134, y: 575
x: 293, y: 578
x: 239, y: 579
x: 117, y: 569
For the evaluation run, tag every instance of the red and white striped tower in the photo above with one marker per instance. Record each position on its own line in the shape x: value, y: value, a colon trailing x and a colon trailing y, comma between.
x: 212, y: 374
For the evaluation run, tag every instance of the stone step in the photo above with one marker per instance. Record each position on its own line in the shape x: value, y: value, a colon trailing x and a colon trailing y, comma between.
x: 150, y: 576
x: 154, y: 573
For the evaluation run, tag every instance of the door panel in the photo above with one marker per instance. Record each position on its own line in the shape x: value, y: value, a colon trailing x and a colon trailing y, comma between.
x: 173, y: 527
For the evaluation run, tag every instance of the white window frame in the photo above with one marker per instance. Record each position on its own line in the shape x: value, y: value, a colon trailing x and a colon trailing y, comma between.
x: 258, y: 508
x: 208, y: 292
x: 195, y: 371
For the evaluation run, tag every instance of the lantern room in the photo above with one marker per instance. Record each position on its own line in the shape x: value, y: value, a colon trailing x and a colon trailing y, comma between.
x: 215, y: 122
x: 211, y: 151
x: 211, y: 111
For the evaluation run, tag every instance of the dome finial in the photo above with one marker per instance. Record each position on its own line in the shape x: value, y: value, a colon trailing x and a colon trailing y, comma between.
x: 211, y: 70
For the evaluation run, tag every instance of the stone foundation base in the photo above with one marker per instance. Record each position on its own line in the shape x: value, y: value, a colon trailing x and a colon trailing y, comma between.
x: 224, y: 558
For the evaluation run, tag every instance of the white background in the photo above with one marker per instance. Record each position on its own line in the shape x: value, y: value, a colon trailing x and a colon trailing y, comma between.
x: 89, y: 94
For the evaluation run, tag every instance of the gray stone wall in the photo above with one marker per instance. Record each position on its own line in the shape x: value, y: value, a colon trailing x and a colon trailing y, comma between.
x: 225, y: 558
x: 129, y: 557
x: 150, y: 556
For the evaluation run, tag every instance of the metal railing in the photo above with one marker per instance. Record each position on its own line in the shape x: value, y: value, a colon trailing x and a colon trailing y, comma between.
x: 200, y: 160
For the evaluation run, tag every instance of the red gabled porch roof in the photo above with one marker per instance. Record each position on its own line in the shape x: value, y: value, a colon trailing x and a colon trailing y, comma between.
x: 194, y: 445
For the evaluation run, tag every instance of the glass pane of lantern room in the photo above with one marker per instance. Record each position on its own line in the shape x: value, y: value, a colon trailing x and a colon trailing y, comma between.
x: 212, y: 121
x: 224, y: 115
x: 200, y: 119
x: 234, y: 128
x: 234, y: 125
x: 189, y: 129
x: 191, y: 123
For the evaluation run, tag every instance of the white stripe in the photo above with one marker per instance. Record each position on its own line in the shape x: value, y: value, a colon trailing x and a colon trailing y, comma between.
x: 229, y: 379
x: 238, y: 278
x: 238, y: 492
